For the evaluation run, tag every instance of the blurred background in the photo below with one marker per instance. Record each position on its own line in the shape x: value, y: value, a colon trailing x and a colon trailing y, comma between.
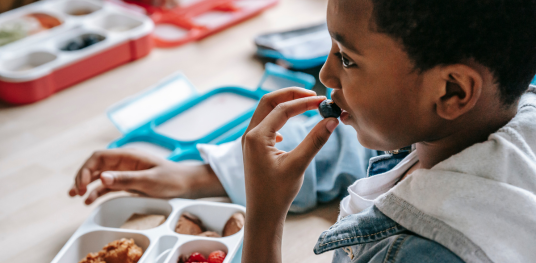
x: 6, y: 5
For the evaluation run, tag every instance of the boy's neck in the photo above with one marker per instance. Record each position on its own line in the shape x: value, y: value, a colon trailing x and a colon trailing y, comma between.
x: 475, y: 131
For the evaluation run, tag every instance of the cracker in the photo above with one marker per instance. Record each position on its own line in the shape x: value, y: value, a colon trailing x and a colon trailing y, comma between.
x: 143, y: 221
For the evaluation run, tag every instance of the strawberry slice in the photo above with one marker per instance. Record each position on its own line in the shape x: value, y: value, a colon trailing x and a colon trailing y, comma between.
x: 216, y: 257
x: 196, y: 257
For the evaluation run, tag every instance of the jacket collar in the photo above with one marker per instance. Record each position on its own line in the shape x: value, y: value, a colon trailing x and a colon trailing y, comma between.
x: 370, y: 225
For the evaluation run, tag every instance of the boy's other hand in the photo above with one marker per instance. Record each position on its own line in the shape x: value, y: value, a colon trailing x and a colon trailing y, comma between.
x: 274, y: 177
x: 137, y: 172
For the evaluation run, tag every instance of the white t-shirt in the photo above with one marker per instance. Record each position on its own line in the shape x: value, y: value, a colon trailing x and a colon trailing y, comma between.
x: 363, y: 192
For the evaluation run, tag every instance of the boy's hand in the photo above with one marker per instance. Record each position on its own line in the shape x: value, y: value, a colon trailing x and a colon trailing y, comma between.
x: 138, y: 172
x: 274, y: 177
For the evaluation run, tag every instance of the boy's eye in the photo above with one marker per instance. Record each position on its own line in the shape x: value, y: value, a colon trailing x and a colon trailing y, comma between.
x: 345, y: 62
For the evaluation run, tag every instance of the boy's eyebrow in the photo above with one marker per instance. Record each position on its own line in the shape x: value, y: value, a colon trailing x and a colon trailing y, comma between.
x: 340, y: 38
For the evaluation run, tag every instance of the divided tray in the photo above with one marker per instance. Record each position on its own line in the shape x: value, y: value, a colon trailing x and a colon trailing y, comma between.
x: 192, y: 20
x: 92, y: 37
x: 160, y: 244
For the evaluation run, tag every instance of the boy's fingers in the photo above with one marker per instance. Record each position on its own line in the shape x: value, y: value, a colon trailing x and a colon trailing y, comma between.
x: 304, y: 153
x: 278, y: 137
x: 272, y: 99
x: 119, y: 181
x: 125, y: 180
x: 96, y: 193
x: 115, y: 159
x: 73, y: 191
x: 85, y: 173
x: 84, y: 178
x: 284, y: 111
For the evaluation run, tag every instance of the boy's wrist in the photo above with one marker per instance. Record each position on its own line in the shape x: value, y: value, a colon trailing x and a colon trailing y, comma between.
x: 194, y: 181
x: 263, y: 236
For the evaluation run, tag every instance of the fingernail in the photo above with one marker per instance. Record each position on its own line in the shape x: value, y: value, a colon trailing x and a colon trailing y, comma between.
x: 331, y: 125
x: 107, y: 178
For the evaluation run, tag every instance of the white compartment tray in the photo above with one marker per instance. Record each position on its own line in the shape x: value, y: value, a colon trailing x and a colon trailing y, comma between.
x: 160, y: 244
x: 40, y: 54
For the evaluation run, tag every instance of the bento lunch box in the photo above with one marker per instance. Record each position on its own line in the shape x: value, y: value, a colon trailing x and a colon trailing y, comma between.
x: 299, y: 49
x: 170, y: 119
x: 191, y: 20
x: 160, y: 244
x: 93, y: 36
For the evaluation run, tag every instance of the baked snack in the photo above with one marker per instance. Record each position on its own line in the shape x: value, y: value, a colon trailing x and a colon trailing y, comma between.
x: 209, y: 234
x: 118, y: 251
x: 143, y: 221
x: 234, y: 224
x: 189, y: 224
x: 92, y: 258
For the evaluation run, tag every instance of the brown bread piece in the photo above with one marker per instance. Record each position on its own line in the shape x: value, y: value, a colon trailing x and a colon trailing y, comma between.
x: 189, y: 224
x: 234, y: 224
x: 209, y: 234
x: 143, y: 221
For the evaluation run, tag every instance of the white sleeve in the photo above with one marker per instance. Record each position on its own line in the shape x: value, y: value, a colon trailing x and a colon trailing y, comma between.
x: 227, y: 162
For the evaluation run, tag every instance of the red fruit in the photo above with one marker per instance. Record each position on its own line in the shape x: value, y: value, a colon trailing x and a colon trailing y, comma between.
x: 196, y: 257
x: 216, y: 257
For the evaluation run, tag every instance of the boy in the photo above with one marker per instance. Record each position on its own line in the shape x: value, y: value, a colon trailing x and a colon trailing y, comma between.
x: 446, y: 76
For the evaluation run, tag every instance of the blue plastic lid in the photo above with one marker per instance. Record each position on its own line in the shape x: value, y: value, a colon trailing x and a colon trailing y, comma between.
x: 143, y: 107
x: 276, y: 77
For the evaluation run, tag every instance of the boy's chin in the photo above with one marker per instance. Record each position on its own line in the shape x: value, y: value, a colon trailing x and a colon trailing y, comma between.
x: 372, y: 143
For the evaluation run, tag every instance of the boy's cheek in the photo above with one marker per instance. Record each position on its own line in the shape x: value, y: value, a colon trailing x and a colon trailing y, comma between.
x: 379, y: 134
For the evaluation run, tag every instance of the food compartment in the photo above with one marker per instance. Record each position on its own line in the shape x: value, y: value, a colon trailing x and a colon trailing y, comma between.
x: 204, y: 247
x: 217, y: 110
x: 115, y: 213
x: 118, y: 23
x: 94, y: 242
x: 161, y: 250
x: 28, y: 61
x: 208, y: 220
x: 213, y: 19
x: 81, y: 42
x: 169, y: 32
x: 26, y: 25
x: 80, y: 7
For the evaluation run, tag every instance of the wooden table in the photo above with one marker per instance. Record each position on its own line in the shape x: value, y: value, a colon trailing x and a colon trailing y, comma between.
x: 43, y: 144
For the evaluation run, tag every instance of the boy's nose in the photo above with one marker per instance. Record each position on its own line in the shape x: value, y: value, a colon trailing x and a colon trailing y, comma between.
x: 327, y: 74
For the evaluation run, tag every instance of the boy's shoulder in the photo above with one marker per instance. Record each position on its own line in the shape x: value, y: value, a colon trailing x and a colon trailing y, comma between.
x: 370, y: 236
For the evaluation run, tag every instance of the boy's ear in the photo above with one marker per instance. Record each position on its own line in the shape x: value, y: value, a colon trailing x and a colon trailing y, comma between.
x: 461, y: 89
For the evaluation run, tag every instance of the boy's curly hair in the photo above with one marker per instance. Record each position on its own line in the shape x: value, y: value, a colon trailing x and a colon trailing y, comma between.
x: 499, y: 34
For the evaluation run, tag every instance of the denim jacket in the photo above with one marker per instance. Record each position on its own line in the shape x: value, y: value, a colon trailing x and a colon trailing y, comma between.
x: 371, y: 236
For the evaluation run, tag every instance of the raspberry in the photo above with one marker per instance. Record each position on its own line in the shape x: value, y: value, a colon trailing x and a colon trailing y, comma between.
x: 196, y: 257
x: 216, y: 257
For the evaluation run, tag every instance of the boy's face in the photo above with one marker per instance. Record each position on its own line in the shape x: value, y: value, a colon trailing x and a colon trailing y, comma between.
x: 374, y: 81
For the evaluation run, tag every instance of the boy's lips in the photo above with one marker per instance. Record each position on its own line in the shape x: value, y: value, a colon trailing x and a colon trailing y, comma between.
x: 344, y: 114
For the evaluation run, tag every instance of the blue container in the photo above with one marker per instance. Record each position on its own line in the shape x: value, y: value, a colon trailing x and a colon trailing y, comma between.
x: 163, y: 119
x: 299, y: 49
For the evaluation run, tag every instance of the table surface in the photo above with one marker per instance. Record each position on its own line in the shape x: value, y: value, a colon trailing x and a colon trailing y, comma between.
x: 43, y: 144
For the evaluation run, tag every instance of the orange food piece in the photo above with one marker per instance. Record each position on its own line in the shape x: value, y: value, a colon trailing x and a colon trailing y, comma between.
x: 46, y: 21
x: 118, y: 251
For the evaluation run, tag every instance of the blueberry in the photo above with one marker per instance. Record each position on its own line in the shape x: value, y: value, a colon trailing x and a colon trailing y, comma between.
x: 75, y: 44
x: 91, y: 40
x: 328, y: 109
